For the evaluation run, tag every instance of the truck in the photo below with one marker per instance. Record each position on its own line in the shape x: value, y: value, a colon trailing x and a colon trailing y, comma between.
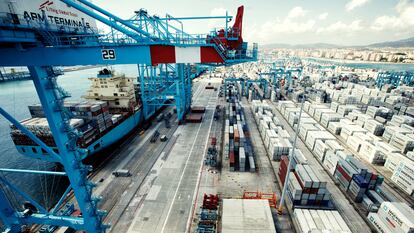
x: 121, y: 173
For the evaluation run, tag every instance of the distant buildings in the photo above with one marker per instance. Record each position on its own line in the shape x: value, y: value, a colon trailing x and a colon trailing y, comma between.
x: 395, y: 55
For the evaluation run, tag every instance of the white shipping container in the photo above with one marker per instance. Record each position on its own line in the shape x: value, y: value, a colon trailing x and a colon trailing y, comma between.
x: 312, y: 136
x: 319, y: 112
x: 305, y: 128
x: 377, y: 223
x: 270, y: 133
x: 354, y: 143
x: 320, y: 150
x: 301, y: 220
x: 397, y: 216
x: 299, y: 157
x: 333, y: 221
x: 318, y: 221
x: 242, y: 159
x: 309, y: 219
x: 325, y: 220
x: 402, y: 142
x: 334, y: 127
x: 294, y: 187
x: 371, y: 153
x: 341, y: 221
x: 303, y: 176
x: 330, y: 162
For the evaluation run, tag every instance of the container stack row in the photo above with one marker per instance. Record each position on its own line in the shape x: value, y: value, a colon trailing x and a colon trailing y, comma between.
x: 346, y: 93
x: 276, y: 139
x: 209, y: 214
x: 312, y: 220
x: 352, y: 175
x: 237, y: 143
x: 390, y: 144
x: 306, y: 186
x: 356, y: 179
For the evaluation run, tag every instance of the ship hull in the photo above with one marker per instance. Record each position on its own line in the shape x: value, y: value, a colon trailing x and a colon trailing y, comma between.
x: 110, y: 138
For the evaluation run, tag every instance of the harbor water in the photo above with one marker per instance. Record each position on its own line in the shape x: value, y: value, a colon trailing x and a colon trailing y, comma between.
x: 15, y: 96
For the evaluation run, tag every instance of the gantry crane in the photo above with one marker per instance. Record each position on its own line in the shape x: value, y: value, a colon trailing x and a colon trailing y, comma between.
x: 394, y: 78
x: 162, y: 52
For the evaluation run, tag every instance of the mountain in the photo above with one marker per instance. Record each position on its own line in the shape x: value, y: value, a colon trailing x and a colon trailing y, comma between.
x: 394, y: 44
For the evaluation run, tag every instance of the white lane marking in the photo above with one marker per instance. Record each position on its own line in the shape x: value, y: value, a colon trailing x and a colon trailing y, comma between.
x: 181, y: 178
x: 190, y: 216
x: 198, y: 178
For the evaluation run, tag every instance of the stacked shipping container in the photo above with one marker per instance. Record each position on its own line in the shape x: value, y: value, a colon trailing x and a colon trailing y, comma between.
x: 237, y: 145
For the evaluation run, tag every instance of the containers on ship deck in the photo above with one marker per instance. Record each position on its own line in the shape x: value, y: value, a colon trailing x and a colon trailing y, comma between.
x: 91, y: 118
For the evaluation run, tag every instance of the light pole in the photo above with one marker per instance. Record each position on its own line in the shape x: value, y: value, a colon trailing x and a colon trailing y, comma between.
x: 280, y: 209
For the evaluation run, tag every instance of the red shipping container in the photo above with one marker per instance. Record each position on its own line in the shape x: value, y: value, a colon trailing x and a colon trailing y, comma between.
x: 282, y: 176
x: 313, y: 190
x: 344, y: 174
x: 232, y: 159
x: 284, y: 165
x: 306, y: 190
x: 213, y: 141
x: 284, y: 160
x: 236, y: 135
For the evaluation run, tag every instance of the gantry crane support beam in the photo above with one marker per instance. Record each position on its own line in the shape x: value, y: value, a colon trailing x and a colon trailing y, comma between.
x: 122, y: 54
x: 262, y: 81
x: 137, y: 34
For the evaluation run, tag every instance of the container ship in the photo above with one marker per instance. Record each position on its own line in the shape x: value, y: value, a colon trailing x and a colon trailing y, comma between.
x: 109, y: 111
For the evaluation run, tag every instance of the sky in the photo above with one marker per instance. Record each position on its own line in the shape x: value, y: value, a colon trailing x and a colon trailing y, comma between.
x: 342, y: 22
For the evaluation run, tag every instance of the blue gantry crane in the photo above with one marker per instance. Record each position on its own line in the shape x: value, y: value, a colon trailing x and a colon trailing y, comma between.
x: 160, y: 47
x: 242, y: 82
x: 280, y: 72
x: 261, y: 88
x: 394, y: 78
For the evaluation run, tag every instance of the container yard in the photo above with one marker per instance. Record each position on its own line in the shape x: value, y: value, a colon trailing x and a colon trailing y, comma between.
x: 209, y: 134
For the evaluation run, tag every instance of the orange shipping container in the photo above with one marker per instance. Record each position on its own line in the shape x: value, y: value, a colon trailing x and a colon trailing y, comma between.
x: 236, y: 135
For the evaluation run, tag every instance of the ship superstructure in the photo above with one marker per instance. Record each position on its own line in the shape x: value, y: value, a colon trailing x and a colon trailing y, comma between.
x: 118, y: 91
